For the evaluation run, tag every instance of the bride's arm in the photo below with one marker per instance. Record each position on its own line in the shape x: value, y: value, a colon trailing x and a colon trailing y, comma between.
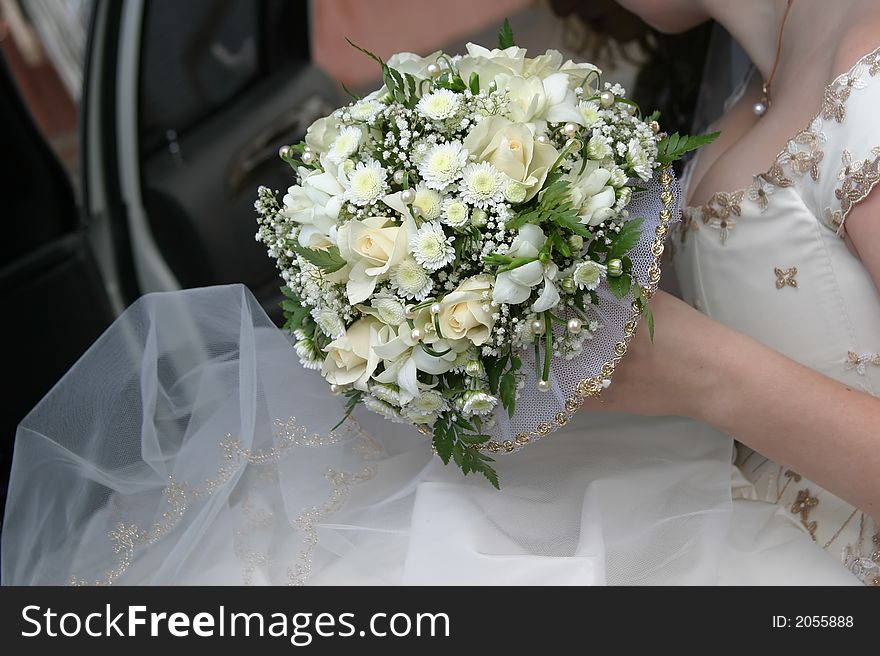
x: 697, y: 367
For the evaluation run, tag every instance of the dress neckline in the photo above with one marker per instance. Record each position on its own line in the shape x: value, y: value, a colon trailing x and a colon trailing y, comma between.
x: 832, y: 105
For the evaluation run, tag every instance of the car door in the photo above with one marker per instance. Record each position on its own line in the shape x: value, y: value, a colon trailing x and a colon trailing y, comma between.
x: 190, y: 103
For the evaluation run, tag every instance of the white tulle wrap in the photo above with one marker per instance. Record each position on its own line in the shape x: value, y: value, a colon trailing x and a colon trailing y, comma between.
x: 189, y: 446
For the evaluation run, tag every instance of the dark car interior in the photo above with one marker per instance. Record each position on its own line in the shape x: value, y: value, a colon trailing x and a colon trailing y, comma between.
x: 222, y: 85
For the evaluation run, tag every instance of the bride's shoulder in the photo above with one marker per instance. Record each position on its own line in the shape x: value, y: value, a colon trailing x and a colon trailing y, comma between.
x: 859, y: 40
x: 844, y: 139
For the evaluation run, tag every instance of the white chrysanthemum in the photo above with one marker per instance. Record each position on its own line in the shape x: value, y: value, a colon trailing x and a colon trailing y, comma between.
x: 442, y: 164
x: 428, y: 402
x: 345, y: 145
x: 482, y: 184
x: 382, y: 408
x: 637, y: 158
x: 308, y: 353
x: 411, y: 280
x: 386, y: 392
x: 588, y: 274
x: 455, y: 213
x: 478, y: 403
x: 329, y: 322
x: 367, y: 183
x: 365, y: 110
x: 589, y: 110
x: 429, y: 202
x: 598, y: 147
x: 618, y: 177
x: 431, y: 247
x: 439, y: 105
x: 390, y: 310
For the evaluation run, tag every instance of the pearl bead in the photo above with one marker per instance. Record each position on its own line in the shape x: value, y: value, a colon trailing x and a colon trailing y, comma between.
x: 542, y: 139
x: 407, y: 196
x: 570, y: 128
x: 416, y: 210
x: 335, y: 389
x: 537, y: 327
x: 574, y: 326
x: 759, y: 108
x: 579, y: 91
x: 398, y: 177
x: 284, y: 152
x: 308, y: 157
x: 544, y: 385
x: 433, y: 70
x: 606, y: 383
x: 416, y: 334
x: 631, y: 109
x: 606, y: 99
x: 435, y: 308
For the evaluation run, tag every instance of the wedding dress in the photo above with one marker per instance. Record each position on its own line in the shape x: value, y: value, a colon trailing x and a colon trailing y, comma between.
x: 188, y: 446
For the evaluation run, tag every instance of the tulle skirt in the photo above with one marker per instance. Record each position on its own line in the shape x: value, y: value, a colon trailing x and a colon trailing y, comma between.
x: 189, y: 446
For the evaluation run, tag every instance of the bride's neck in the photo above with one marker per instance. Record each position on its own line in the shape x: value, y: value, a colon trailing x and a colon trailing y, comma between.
x: 755, y: 25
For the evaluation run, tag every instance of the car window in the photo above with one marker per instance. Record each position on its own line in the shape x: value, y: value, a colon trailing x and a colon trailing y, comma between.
x: 196, y: 56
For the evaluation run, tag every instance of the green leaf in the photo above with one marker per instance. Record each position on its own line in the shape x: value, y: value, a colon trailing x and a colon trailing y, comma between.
x: 354, y: 397
x: 674, y: 146
x: 645, y: 310
x: 444, y: 440
x: 353, y: 96
x: 654, y: 116
x: 508, y: 393
x: 328, y: 259
x: 505, y: 36
x: 474, y: 83
x: 620, y: 286
x: 626, y: 239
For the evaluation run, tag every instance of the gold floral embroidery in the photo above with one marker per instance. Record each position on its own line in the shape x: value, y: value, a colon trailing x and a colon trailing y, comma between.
x: 785, y: 277
x: 860, y: 361
x: 760, y: 191
x: 802, y: 155
x: 857, y: 179
x: 802, y: 506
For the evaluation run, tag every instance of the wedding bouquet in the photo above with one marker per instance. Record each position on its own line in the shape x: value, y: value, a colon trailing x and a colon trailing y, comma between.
x: 451, y: 234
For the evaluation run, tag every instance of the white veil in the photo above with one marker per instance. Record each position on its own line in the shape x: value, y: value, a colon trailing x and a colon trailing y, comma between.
x: 189, y: 446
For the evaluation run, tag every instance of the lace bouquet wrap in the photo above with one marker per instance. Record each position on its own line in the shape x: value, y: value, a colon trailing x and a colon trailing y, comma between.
x: 470, y: 248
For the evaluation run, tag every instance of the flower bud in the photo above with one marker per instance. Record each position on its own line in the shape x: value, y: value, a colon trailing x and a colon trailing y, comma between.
x: 576, y: 242
x: 474, y: 369
x: 615, y: 268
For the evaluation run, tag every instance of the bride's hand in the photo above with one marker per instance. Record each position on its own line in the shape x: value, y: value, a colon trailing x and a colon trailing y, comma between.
x: 677, y: 374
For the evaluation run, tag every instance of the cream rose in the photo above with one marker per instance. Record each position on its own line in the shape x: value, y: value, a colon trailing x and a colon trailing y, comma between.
x: 350, y: 358
x: 371, y: 247
x: 461, y: 313
x: 511, y: 148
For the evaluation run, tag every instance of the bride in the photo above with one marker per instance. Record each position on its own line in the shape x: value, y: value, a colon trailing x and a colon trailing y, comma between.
x: 189, y: 446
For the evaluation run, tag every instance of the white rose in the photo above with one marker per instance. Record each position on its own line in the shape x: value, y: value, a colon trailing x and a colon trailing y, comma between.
x: 515, y: 286
x: 408, y: 62
x: 592, y: 194
x: 371, y: 247
x: 543, y: 65
x: 322, y: 133
x: 511, y: 148
x: 538, y: 100
x: 314, y: 204
x: 350, y: 358
x: 403, y: 357
x: 462, y: 314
